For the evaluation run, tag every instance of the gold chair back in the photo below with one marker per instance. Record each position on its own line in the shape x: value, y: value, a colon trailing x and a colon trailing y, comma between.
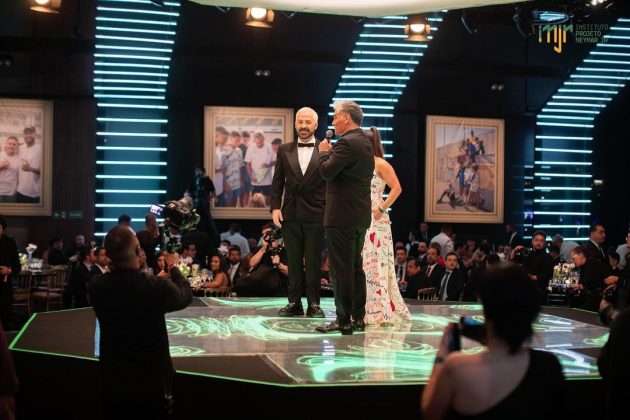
x: 224, y: 291
x: 428, y: 293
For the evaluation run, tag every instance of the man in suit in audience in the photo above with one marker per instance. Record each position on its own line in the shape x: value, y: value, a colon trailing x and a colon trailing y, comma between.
x: 416, y: 279
x: 453, y: 280
x: 348, y: 168
x: 595, y: 244
x: 101, y: 262
x: 434, y: 270
x: 301, y: 213
x: 422, y: 254
x: 81, y: 276
x: 235, y: 269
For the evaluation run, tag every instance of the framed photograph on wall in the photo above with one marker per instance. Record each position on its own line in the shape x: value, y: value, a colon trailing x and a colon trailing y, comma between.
x: 240, y: 149
x: 26, y: 144
x: 464, y: 170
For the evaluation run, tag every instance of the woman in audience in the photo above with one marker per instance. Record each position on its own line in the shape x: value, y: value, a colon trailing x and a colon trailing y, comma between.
x: 508, y: 379
x: 160, y: 269
x: 219, y: 276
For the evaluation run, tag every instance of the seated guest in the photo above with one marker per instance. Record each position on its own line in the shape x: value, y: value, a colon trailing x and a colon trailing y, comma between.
x: 142, y: 261
x: 508, y: 379
x: 434, y: 270
x: 54, y: 254
x: 149, y: 237
x: 135, y: 367
x: 613, y: 261
x: 73, y: 252
x: 268, y: 274
x: 587, y: 293
x: 204, y: 247
x: 160, y: 269
x: 422, y: 254
x: 453, y: 280
x: 235, y: 269
x: 416, y: 279
x: 412, y: 245
x: 400, y: 264
x: 81, y: 276
x: 189, y: 250
x: 101, y: 262
x: 219, y: 278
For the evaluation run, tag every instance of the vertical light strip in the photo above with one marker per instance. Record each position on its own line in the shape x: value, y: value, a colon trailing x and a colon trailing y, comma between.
x: 378, y: 71
x: 131, y: 135
x: 564, y: 131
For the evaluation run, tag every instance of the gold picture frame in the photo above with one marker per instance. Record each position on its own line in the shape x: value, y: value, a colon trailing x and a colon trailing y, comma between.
x: 464, y: 170
x: 31, y: 193
x: 221, y: 160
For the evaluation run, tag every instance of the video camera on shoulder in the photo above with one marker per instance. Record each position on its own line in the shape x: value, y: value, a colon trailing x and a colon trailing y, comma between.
x: 179, y: 216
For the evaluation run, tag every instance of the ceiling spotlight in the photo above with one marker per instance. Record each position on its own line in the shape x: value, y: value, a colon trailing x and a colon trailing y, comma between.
x: 417, y: 28
x: 46, y: 6
x: 266, y: 73
x: 497, y: 86
x: 259, y: 17
x: 549, y: 17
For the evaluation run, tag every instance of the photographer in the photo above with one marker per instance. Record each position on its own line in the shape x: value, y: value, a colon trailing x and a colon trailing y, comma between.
x: 538, y: 262
x: 136, y: 371
x: 508, y: 379
x: 268, y: 274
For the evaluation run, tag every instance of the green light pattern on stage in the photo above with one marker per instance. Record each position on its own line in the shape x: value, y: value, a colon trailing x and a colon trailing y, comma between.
x: 386, y: 354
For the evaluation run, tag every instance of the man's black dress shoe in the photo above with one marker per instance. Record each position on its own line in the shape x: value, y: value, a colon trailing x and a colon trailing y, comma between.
x: 314, y: 311
x: 358, y: 325
x: 292, y: 309
x: 345, y: 329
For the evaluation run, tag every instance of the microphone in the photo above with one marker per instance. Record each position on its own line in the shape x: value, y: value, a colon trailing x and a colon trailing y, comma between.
x: 329, y: 135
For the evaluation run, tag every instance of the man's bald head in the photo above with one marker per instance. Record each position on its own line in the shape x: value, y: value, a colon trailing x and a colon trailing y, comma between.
x: 122, y: 247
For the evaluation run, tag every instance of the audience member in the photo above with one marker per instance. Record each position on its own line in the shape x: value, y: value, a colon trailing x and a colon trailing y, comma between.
x: 136, y: 372
x: 54, y: 255
x: 219, y: 276
x: 452, y: 283
x: 234, y: 236
x: 101, y: 262
x: 416, y: 279
x: 160, y: 268
x: 149, y: 237
x: 9, y: 269
x: 400, y: 264
x: 73, y: 252
x: 434, y: 270
x: 623, y: 250
x: 423, y: 234
x: 587, y: 293
x: 412, y: 245
x: 513, y: 238
x: 422, y: 254
x: 594, y: 247
x: 189, y: 251
x: 80, y: 277
x: 506, y: 380
x: 444, y: 239
x: 124, y: 220
x: 565, y: 247
x: 235, y: 268
x: 539, y: 264
x: 205, y: 249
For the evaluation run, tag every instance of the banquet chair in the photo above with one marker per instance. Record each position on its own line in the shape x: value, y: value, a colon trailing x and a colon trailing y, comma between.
x: 428, y: 293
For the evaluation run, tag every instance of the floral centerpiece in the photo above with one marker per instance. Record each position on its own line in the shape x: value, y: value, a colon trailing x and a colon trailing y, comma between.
x: 184, y: 266
x: 565, y: 275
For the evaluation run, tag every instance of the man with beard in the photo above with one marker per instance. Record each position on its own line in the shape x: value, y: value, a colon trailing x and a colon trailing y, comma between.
x: 301, y: 213
x: 539, y: 263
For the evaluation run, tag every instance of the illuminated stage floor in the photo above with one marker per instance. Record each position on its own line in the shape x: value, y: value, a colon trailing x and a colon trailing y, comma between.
x: 244, y: 340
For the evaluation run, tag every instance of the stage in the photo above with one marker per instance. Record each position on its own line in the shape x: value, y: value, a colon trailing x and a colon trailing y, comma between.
x: 242, y: 342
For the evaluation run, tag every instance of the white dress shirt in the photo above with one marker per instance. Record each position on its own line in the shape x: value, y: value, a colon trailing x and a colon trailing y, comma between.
x: 305, y: 154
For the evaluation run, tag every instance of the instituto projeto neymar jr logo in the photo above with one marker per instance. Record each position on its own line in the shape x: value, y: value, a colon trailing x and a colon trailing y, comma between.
x: 582, y: 33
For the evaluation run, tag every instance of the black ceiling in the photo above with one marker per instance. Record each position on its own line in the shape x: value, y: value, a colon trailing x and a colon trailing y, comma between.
x: 216, y: 56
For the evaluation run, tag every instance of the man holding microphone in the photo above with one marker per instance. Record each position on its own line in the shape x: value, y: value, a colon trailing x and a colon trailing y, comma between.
x: 301, y: 213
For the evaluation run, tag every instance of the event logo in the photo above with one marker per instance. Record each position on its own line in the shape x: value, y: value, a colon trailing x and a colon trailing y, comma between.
x: 583, y: 34
x: 559, y: 35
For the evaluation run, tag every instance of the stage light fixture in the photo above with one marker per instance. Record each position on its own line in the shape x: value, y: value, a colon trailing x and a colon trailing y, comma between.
x: 46, y: 6
x: 417, y: 28
x: 259, y: 17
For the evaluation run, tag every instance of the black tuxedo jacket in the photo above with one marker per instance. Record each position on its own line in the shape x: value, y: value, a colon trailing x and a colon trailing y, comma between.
x: 304, y: 195
x: 348, y: 171
x: 455, y: 285
x: 436, y: 276
x: 595, y: 252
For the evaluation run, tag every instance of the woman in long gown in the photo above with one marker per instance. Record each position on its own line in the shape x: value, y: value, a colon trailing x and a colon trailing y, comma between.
x: 384, y: 303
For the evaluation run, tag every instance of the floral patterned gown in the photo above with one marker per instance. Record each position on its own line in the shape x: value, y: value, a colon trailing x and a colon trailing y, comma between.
x: 384, y: 304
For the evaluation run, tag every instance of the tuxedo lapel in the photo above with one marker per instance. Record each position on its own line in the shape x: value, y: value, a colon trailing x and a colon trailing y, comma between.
x: 313, y: 165
x: 294, y: 162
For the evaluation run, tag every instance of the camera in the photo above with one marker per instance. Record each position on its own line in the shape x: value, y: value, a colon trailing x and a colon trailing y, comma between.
x: 520, y: 255
x: 467, y: 327
x: 178, y: 216
x: 274, y: 235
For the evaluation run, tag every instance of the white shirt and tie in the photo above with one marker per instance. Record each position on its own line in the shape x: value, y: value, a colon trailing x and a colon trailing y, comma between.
x: 305, y: 153
x: 444, y: 285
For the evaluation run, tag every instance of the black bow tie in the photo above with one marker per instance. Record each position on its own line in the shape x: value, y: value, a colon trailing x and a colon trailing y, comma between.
x: 306, y: 144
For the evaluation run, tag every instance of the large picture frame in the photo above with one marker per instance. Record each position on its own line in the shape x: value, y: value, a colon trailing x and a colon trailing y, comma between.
x: 26, y: 146
x: 241, y: 166
x: 464, y: 170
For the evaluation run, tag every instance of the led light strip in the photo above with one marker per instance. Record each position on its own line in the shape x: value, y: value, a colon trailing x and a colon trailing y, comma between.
x: 591, y: 87
x: 134, y: 46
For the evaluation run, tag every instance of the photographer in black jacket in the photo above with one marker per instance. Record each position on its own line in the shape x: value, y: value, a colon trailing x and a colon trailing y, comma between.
x: 538, y: 262
x: 268, y: 274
